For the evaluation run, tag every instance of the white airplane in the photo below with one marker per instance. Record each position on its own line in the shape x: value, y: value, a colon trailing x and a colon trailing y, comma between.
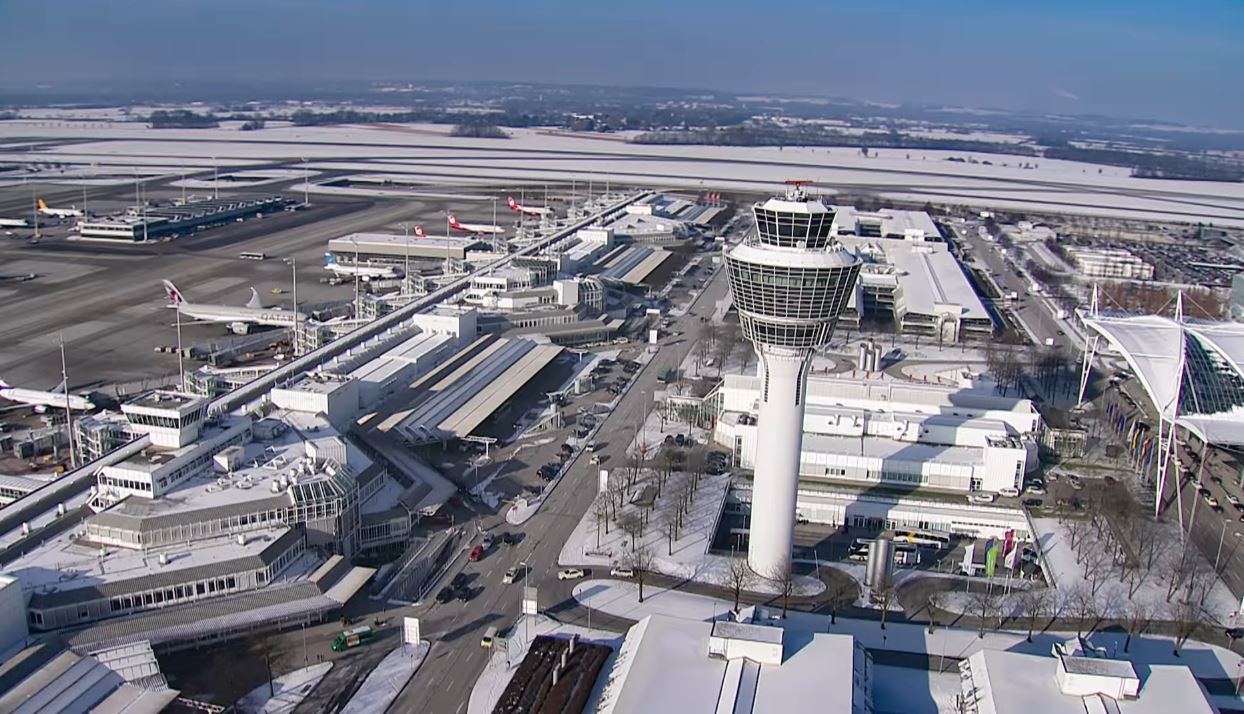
x: 519, y: 208
x: 365, y: 271
x: 473, y: 227
x: 14, y: 223
x: 71, y: 212
x: 254, y: 313
x: 42, y: 401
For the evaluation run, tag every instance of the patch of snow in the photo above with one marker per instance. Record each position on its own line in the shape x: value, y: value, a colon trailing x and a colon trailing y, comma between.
x: 290, y: 689
x: 384, y: 682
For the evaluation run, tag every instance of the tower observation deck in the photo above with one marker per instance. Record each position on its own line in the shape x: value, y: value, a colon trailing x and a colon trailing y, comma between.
x: 790, y: 283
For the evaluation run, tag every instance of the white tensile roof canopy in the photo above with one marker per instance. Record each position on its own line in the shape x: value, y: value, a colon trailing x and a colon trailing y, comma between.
x: 1192, y: 371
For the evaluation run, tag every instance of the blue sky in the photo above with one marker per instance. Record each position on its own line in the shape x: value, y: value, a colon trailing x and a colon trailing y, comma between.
x: 1180, y: 61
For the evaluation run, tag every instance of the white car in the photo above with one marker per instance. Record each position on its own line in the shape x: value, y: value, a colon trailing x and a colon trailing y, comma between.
x: 1009, y: 492
x: 570, y: 574
x: 981, y: 498
x: 622, y: 572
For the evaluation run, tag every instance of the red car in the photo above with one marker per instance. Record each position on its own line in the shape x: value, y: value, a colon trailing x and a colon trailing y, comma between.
x: 477, y: 552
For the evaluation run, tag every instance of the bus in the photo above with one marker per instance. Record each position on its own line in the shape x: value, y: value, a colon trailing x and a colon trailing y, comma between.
x: 251, y: 255
x: 353, y: 637
x: 920, y: 536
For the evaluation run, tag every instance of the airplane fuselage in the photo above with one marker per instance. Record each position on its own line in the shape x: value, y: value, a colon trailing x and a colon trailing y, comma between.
x: 249, y: 315
x: 36, y: 398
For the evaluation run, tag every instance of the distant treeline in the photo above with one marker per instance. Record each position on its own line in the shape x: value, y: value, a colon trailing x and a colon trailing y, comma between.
x: 1153, y: 165
x: 479, y: 130
x: 181, y: 119
x: 816, y: 136
x: 305, y: 117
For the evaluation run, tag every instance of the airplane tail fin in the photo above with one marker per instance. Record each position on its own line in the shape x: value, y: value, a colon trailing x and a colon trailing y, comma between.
x: 59, y: 387
x: 509, y: 201
x: 42, y: 206
x: 419, y: 232
x: 330, y: 259
x: 254, y: 302
x: 4, y: 384
x: 174, y: 295
x: 453, y: 220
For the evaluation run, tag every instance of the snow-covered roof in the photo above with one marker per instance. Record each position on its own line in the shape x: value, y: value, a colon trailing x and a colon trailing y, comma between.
x: 1193, y: 371
x: 665, y: 666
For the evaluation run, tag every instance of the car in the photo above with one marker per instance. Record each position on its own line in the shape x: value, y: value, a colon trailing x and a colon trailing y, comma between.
x: 679, y: 439
x: 507, y: 538
x: 1035, y: 490
x: 622, y: 572
x: 591, y: 446
x: 1076, y: 484
x: 459, y: 580
x: 510, y: 576
x: 445, y: 595
x: 1051, y: 477
x: 594, y: 460
x: 981, y: 498
x: 1009, y: 492
x: 477, y: 553
x: 488, y: 540
x: 1028, y: 555
x: 465, y: 595
x: 1233, y: 500
x: 570, y: 574
x: 1211, y: 501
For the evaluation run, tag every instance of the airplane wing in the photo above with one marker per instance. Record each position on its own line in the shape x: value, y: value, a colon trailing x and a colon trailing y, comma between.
x: 254, y: 303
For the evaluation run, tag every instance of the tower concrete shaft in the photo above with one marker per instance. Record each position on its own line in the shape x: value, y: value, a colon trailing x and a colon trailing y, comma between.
x: 789, y: 283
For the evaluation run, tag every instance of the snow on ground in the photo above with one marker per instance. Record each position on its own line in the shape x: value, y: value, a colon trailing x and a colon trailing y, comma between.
x: 903, y: 690
x: 244, y: 179
x: 380, y: 688
x: 619, y: 599
x: 290, y: 689
x: 1059, y: 563
x: 1048, y: 184
x: 505, y: 659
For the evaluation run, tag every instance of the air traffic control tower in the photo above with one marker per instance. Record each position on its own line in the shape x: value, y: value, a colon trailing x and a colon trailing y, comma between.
x: 789, y: 283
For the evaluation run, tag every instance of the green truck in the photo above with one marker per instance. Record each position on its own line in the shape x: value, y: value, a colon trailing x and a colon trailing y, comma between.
x: 353, y: 637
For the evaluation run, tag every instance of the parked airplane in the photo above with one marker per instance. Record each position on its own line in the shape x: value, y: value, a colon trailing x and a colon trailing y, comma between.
x: 14, y: 223
x: 365, y: 271
x: 473, y: 227
x: 238, y: 318
x: 518, y: 207
x: 71, y: 212
x: 42, y: 401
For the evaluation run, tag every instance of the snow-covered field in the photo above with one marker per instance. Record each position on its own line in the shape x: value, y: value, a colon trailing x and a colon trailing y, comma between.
x: 536, y: 156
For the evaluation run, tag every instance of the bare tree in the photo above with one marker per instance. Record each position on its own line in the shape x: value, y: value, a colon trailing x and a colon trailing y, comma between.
x: 697, y: 461
x: 1182, y: 568
x: 633, y: 525
x: 982, y: 604
x: 1135, y: 620
x: 1082, y: 606
x: 783, y: 578
x: 1186, y: 616
x: 1077, y: 530
x: 739, y: 577
x: 842, y: 592
x: 671, y: 514
x: 640, y: 560
x: 1097, y: 568
x: 600, y: 513
x: 1033, y: 603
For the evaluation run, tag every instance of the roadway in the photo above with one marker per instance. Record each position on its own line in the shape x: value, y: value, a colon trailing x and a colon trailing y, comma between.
x: 1031, y: 309
x: 443, y: 684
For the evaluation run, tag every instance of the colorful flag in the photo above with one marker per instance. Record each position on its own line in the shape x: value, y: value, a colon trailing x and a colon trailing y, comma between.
x: 991, y: 559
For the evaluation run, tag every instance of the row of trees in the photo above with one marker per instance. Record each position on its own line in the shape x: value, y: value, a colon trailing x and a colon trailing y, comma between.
x: 1052, y: 369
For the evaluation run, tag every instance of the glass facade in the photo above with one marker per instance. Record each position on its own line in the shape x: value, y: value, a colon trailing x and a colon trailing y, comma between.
x: 789, y: 229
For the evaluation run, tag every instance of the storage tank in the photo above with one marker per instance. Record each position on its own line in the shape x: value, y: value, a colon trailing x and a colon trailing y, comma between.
x: 880, y: 564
